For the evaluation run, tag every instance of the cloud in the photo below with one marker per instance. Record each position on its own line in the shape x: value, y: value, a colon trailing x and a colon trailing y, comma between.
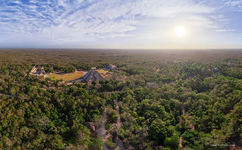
x: 235, y: 5
x: 220, y: 18
x: 203, y: 21
x: 79, y: 20
x: 224, y: 30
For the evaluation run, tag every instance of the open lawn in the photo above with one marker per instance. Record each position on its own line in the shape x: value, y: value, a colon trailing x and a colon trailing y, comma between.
x: 103, y: 73
x: 76, y: 75
x: 69, y: 76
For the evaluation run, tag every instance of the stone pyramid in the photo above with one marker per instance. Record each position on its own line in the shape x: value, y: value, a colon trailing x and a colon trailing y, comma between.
x: 110, y: 67
x: 93, y: 75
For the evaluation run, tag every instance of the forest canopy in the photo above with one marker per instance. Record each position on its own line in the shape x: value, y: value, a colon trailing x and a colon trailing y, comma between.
x: 167, y: 100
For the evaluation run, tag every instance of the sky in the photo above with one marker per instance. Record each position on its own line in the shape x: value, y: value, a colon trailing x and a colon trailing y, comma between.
x: 121, y: 24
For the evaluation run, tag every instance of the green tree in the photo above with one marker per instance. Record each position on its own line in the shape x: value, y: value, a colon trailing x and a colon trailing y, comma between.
x: 12, y: 91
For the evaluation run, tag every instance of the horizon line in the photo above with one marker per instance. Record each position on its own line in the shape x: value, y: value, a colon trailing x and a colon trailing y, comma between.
x: 120, y: 49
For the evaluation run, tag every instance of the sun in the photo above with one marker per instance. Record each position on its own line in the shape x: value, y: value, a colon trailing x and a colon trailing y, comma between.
x: 180, y: 31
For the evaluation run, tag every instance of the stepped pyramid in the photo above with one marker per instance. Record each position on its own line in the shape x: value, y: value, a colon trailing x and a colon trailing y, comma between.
x: 92, y: 75
x: 110, y: 67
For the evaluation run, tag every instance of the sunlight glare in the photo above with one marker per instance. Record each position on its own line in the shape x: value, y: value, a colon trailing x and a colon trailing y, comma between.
x: 180, y: 31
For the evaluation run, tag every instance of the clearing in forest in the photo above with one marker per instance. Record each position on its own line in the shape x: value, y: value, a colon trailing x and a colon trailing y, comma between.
x: 103, y: 73
x: 76, y: 75
x: 68, y: 76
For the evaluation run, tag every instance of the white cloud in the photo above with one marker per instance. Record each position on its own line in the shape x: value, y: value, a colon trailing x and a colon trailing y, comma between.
x: 202, y: 21
x: 60, y: 20
x: 225, y: 30
x: 233, y: 3
x: 220, y: 18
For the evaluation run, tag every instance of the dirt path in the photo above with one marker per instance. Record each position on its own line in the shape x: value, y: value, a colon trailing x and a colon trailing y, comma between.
x: 118, y: 142
x: 183, y: 113
x: 180, y: 142
x: 183, y: 110
x: 8, y: 95
x: 191, y: 126
x: 102, y: 131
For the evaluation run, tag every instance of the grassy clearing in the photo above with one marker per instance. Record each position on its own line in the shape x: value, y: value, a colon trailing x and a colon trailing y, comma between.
x: 69, y: 76
x: 103, y: 73
x: 76, y: 75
